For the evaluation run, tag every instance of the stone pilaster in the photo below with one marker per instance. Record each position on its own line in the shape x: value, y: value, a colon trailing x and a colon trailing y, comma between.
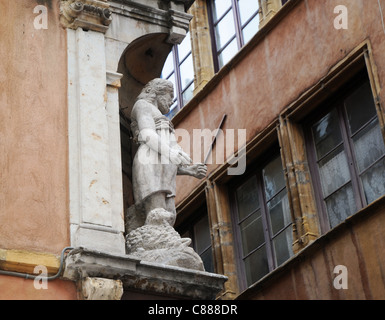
x: 201, y: 45
x: 268, y: 8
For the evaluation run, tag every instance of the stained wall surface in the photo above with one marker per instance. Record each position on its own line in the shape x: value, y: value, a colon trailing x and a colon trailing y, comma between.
x: 276, y: 68
x: 33, y: 129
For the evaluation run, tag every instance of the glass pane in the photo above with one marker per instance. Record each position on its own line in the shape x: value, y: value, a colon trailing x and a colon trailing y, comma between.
x: 283, y: 245
x: 279, y: 212
x: 188, y: 93
x: 185, y: 47
x: 229, y: 52
x: 256, y: 266
x: 369, y: 145
x: 273, y: 178
x: 207, y: 259
x: 360, y: 107
x: 250, y: 29
x: 186, y: 72
x: 327, y: 133
x: 341, y: 205
x: 168, y: 66
x: 374, y: 182
x: 225, y: 30
x: 247, y: 197
x: 334, y: 171
x: 202, y: 235
x: 252, y: 233
x: 220, y: 7
x: 246, y: 9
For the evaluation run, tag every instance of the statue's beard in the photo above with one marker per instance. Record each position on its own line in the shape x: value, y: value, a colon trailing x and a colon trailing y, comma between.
x: 164, y: 106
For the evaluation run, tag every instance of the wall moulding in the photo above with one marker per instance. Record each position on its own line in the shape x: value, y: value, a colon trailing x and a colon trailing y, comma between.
x: 88, y: 14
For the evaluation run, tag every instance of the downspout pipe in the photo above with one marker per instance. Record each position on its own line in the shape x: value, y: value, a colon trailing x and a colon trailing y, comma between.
x: 32, y: 277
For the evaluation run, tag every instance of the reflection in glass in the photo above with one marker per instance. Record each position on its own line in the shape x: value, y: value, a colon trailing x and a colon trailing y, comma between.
x: 225, y: 30
x: 373, y: 182
x: 252, y: 232
x: 247, y: 9
x: 256, y: 265
x: 220, y: 7
x: 250, y: 29
x: 168, y: 66
x: 186, y: 72
x: 202, y: 234
x: 369, y: 145
x: 185, y: 47
x: 360, y: 107
x: 334, y: 171
x: 283, y: 246
x: 341, y: 205
x: 327, y: 133
x: 279, y: 212
x: 229, y: 52
x: 247, y: 198
x: 273, y: 177
x: 188, y: 93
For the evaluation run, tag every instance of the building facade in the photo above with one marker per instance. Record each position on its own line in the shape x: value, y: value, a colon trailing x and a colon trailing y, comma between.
x: 282, y: 100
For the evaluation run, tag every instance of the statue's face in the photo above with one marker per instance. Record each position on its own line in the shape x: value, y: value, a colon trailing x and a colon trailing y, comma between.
x: 165, y: 101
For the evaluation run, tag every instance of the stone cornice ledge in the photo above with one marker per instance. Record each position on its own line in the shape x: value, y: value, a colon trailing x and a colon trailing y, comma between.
x: 145, y: 277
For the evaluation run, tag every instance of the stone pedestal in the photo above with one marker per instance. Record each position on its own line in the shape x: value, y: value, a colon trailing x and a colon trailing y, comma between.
x: 144, y: 279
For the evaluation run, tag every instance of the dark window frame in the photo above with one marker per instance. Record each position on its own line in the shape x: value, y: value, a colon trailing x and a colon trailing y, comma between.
x: 256, y: 171
x: 337, y: 103
x: 237, y: 24
x: 179, y: 88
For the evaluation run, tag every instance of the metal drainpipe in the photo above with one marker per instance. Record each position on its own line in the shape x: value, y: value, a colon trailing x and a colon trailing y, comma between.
x: 29, y: 276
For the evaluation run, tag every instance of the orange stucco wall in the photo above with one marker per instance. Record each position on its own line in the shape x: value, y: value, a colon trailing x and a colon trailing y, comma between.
x: 12, y: 288
x: 33, y: 129
x: 290, y: 59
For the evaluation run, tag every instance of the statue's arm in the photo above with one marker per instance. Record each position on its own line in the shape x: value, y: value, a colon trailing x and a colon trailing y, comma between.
x: 197, y: 170
x: 142, y: 113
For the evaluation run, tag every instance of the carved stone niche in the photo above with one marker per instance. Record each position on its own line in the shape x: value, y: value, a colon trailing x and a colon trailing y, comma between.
x: 88, y: 14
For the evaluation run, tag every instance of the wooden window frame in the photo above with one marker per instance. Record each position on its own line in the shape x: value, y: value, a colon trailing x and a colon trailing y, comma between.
x: 237, y: 25
x: 255, y: 170
x: 177, y: 62
x: 336, y: 102
x: 293, y: 143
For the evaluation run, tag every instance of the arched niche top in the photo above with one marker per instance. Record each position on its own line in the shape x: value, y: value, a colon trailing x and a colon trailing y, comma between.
x: 141, y: 62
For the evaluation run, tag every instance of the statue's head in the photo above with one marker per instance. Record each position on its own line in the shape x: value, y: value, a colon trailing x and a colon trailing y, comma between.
x: 160, y: 91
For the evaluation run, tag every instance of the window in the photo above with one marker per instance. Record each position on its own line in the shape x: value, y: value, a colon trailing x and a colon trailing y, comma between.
x: 263, y: 221
x: 234, y: 23
x: 179, y: 69
x: 347, y: 154
x: 198, y: 231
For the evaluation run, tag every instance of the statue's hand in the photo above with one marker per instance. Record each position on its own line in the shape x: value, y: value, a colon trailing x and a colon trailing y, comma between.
x: 199, y: 170
x: 179, y: 157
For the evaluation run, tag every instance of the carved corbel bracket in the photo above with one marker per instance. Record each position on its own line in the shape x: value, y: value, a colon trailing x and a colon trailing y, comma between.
x: 179, y: 26
x: 87, y: 14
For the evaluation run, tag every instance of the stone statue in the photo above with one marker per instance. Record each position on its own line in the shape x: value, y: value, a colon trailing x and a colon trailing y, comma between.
x: 157, y: 162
